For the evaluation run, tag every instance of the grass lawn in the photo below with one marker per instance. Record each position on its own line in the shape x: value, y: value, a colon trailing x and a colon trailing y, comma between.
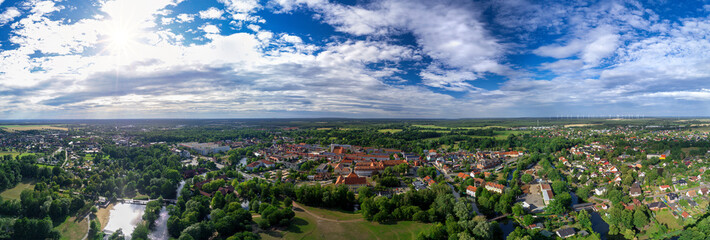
x: 14, y: 193
x: 73, y: 229
x: 389, y: 130
x: 12, y: 128
x: 13, y: 154
x: 305, y: 226
x: 45, y: 165
x: 666, y: 217
x: 103, y: 215
x: 333, y: 214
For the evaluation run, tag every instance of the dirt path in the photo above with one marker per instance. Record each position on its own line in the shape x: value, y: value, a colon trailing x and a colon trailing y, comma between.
x: 325, y: 219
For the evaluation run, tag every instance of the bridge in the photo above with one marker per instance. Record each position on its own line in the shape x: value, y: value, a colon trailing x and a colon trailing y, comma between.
x: 583, y: 206
x: 145, y: 202
x: 499, y: 217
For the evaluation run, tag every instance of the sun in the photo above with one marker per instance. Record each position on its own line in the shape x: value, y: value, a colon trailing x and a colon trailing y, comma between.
x: 121, y: 38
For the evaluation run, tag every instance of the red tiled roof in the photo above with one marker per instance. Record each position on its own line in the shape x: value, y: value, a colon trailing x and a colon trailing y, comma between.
x: 351, y: 179
x: 495, y: 185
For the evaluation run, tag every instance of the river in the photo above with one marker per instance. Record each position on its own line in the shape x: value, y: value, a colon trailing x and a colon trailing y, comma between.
x: 599, y: 225
x: 161, y: 224
x: 124, y: 216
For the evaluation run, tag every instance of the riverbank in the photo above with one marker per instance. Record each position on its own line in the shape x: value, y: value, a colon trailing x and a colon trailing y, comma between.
x: 103, y: 215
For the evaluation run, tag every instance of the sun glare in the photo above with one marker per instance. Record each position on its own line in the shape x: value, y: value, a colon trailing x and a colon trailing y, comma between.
x: 120, y: 39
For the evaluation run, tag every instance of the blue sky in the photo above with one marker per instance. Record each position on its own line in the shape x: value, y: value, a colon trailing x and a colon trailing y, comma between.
x: 381, y: 59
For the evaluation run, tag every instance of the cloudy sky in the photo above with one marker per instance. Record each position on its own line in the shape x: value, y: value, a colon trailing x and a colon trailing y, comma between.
x: 354, y: 58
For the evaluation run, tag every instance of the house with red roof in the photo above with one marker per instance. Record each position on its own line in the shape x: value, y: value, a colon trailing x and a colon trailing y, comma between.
x: 352, y: 181
x: 494, y: 187
x: 471, y: 191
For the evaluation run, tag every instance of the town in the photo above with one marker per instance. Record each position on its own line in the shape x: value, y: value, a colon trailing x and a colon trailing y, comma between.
x: 515, y: 179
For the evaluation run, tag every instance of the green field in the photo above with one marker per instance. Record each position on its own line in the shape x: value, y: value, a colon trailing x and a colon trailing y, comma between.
x: 666, y: 217
x: 348, y: 226
x: 73, y: 229
x: 45, y: 165
x: 389, y: 130
x: 14, y: 193
x: 12, y: 128
x: 15, y: 154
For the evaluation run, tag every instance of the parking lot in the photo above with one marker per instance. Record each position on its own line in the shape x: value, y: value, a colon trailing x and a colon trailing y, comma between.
x: 534, y: 198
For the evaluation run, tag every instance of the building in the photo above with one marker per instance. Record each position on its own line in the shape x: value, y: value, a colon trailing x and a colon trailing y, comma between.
x: 547, y: 194
x: 463, y: 176
x: 691, y: 194
x: 488, y: 163
x: 703, y: 191
x: 635, y: 190
x: 260, y: 163
x: 494, y: 187
x: 341, y: 169
x: 352, y: 181
x: 599, y: 191
x: 655, y: 206
x: 471, y: 191
x: 672, y: 197
x: 565, y: 232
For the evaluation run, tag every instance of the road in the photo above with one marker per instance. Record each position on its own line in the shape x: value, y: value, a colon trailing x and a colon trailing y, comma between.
x: 456, y: 194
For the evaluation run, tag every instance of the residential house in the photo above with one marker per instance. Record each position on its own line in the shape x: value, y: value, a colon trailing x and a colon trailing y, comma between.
x: 672, y: 197
x: 260, y: 163
x: 471, y: 191
x: 352, y: 181
x: 599, y: 190
x: 494, y: 187
x: 691, y: 194
x: 703, y: 191
x: 635, y: 190
x: 565, y: 232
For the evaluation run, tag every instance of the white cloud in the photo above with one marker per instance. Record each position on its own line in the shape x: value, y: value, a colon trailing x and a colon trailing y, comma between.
x: 211, y: 13
x: 185, y: 18
x: 166, y: 20
x: 210, y: 29
x: 43, y: 7
x: 241, y: 6
x: 9, y: 14
x: 449, y: 32
x: 452, y: 80
x: 594, y: 46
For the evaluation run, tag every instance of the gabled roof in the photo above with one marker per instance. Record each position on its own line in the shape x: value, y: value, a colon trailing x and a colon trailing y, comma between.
x: 351, y: 179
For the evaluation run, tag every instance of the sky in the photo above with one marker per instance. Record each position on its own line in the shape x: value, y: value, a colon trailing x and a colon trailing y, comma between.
x: 76, y: 59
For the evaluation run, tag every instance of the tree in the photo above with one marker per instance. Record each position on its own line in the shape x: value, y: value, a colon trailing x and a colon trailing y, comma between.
x: 526, y: 178
x: 528, y: 220
x: 584, y: 219
x: 217, y: 200
x: 140, y: 232
x: 640, y: 219
x: 518, y: 210
x: 559, y: 204
x: 288, y: 202
x: 462, y: 210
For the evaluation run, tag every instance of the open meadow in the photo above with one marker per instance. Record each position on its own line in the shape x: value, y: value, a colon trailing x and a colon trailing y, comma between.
x: 13, y: 128
x: 14, y: 193
x: 317, y: 223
